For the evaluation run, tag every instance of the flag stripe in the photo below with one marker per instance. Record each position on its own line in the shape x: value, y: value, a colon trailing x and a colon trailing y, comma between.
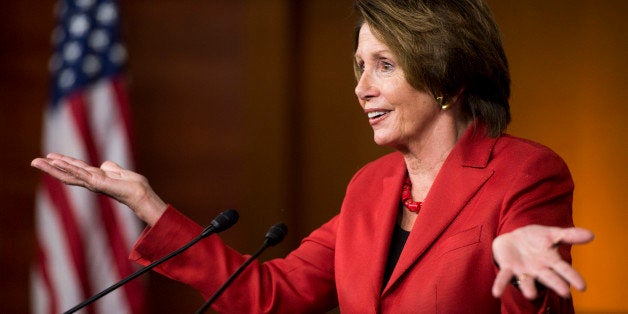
x: 59, y: 266
x: 124, y: 109
x: 79, y: 115
x: 58, y: 197
x: 116, y: 242
x: 42, y: 272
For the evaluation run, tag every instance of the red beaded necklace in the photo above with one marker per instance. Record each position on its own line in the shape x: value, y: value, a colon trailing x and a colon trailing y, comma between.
x: 406, y: 197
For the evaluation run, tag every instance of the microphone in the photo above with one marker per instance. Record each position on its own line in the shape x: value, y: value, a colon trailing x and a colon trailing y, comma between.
x: 221, y: 223
x: 275, y: 234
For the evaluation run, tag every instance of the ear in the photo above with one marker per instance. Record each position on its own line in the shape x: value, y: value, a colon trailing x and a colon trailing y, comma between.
x: 443, y: 102
x: 447, y: 101
x: 458, y: 96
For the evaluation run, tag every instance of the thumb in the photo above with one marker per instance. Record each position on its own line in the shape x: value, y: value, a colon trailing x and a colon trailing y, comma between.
x: 575, y: 235
x: 111, y: 166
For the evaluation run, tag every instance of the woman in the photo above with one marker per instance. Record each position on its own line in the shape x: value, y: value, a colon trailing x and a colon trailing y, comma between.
x: 441, y: 225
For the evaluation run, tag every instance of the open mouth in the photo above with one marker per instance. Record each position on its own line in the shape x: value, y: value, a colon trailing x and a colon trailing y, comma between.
x: 376, y: 114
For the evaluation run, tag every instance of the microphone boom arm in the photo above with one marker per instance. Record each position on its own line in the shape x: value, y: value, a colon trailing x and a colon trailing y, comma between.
x: 275, y: 234
x: 224, y: 220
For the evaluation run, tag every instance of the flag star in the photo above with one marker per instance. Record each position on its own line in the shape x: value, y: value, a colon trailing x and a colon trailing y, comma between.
x: 79, y: 24
x: 67, y: 78
x: 72, y: 51
x: 85, y: 4
x: 91, y: 65
x: 98, y: 39
x: 106, y: 13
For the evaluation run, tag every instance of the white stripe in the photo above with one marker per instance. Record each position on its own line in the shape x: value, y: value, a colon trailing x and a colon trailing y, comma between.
x: 60, y: 134
x: 104, y: 272
x: 101, y: 267
x: 39, y: 293
x: 130, y: 224
x: 107, y: 126
x: 60, y: 266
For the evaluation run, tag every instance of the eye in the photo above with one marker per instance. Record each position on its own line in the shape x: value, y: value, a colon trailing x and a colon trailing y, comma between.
x: 385, y: 66
x: 360, y: 65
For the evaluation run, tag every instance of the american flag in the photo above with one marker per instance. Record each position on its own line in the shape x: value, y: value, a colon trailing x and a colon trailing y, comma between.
x: 84, y: 238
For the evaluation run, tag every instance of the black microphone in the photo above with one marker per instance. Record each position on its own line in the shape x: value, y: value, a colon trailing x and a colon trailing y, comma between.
x: 275, y: 234
x: 222, y: 222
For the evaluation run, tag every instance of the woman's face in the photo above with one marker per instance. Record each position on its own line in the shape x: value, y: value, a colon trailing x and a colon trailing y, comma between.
x: 399, y: 114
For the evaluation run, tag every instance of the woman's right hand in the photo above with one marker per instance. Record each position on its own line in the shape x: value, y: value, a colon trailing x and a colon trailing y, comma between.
x: 125, y: 186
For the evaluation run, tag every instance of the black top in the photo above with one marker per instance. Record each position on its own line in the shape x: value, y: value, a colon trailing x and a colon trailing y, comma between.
x: 399, y: 238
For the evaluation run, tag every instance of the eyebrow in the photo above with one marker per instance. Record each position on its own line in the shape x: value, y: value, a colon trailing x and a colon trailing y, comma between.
x: 378, y: 54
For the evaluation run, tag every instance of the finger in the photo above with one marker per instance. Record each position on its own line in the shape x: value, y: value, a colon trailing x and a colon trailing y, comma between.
x: 502, y: 280
x: 569, y: 274
x: 46, y: 165
x: 39, y: 162
x: 55, y: 156
x: 574, y: 235
x: 71, y: 174
x: 553, y: 281
x: 527, y: 286
x: 69, y: 160
x: 60, y: 174
x: 111, y: 166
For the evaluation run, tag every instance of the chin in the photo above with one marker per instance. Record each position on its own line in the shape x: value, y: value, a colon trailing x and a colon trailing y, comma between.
x: 384, y: 141
x: 392, y: 140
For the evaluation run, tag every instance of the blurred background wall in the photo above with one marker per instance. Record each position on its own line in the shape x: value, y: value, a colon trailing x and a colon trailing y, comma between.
x: 250, y: 105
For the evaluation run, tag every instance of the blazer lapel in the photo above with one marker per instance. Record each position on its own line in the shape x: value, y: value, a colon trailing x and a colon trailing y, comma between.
x: 383, y: 222
x: 462, y: 175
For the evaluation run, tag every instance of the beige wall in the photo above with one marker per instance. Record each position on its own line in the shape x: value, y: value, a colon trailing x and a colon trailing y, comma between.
x: 249, y: 104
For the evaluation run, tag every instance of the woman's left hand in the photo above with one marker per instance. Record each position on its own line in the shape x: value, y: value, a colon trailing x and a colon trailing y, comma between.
x: 531, y: 253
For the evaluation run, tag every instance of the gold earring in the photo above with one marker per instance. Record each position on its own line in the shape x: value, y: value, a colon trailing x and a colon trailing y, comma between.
x: 441, y: 101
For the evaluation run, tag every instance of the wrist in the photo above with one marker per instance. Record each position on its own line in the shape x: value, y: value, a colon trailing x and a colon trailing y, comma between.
x: 150, y: 208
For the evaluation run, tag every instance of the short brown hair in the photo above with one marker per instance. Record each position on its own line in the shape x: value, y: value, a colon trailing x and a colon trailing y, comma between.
x: 444, y: 47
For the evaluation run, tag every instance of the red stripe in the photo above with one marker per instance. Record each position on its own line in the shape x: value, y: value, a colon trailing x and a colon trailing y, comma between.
x: 118, y: 84
x: 115, y: 238
x: 124, y: 108
x: 78, y: 110
x: 120, y: 255
x: 57, y: 194
x: 42, y: 264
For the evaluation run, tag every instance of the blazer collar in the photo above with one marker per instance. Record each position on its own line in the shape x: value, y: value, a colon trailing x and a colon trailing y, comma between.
x: 475, y: 147
x: 461, y: 176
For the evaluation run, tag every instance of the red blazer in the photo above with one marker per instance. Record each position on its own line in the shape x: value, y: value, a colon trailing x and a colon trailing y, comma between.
x: 486, y: 187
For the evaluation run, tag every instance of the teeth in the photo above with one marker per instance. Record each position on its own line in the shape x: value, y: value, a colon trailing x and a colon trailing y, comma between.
x: 376, y: 114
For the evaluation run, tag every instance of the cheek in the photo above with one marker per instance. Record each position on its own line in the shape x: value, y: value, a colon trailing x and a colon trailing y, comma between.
x: 361, y: 102
x: 417, y: 110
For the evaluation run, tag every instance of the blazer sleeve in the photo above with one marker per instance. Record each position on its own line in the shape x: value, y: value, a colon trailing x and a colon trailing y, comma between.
x: 541, y: 193
x: 302, y: 282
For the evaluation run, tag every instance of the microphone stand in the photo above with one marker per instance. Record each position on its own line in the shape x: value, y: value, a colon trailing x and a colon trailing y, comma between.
x: 275, y: 234
x: 222, y: 222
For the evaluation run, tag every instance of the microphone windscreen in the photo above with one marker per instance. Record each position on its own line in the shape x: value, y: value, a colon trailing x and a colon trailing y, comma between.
x: 225, y: 220
x: 276, y: 234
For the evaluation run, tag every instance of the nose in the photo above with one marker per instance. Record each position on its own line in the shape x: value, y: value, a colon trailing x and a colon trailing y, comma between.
x: 365, y: 89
